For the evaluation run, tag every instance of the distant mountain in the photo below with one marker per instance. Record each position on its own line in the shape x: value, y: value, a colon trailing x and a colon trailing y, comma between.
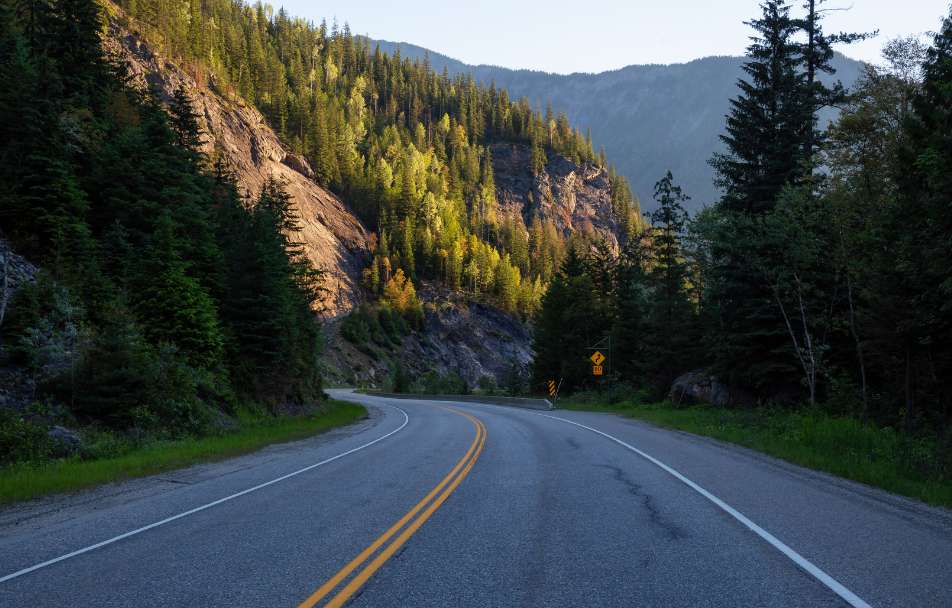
x: 649, y: 118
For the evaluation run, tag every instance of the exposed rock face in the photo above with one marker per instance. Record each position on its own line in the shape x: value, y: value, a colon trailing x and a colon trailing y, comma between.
x: 334, y: 238
x: 15, y: 270
x: 575, y: 197
x: 468, y: 338
x: 16, y: 383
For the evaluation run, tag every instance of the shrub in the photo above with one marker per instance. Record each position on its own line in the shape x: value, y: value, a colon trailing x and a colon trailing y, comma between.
x: 487, y: 385
x: 22, y: 441
x: 400, y: 382
x: 434, y: 383
x: 393, y: 325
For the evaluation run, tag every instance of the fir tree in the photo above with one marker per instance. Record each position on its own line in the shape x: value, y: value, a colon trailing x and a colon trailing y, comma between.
x: 184, y: 121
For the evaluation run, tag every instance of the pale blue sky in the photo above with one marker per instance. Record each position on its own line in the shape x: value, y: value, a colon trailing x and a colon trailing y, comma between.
x: 571, y: 36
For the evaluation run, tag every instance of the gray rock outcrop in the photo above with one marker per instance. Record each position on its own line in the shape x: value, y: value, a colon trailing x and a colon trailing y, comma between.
x: 334, y: 239
x: 577, y: 198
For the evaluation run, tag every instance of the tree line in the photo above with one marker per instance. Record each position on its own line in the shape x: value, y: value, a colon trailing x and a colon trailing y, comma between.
x: 163, y: 296
x: 822, y: 275
x: 407, y: 148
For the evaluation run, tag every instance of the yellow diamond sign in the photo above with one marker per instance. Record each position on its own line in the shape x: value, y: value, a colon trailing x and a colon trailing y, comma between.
x: 597, y: 358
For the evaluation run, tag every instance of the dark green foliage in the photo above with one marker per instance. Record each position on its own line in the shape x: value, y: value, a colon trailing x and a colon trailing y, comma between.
x: 21, y: 440
x: 184, y: 121
x: 434, y: 383
x: 380, y: 325
x: 766, y: 132
x: 515, y: 382
x: 173, y: 307
x: 766, y: 123
x: 574, y: 317
x: 162, y: 297
x: 400, y: 380
x: 830, y: 287
x: 669, y: 329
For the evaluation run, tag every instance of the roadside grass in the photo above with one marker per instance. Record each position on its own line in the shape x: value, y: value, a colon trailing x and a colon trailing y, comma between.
x: 840, y: 445
x: 25, y: 481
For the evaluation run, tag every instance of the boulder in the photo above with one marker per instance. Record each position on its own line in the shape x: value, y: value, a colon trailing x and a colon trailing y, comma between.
x: 66, y: 442
x: 699, y: 386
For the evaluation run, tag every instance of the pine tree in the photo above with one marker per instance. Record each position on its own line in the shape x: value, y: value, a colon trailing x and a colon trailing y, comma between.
x: 923, y: 223
x: 816, y: 56
x: 669, y: 336
x: 764, y: 140
x: 632, y: 298
x: 766, y: 121
x: 184, y: 121
x: 172, y: 306
x: 567, y: 325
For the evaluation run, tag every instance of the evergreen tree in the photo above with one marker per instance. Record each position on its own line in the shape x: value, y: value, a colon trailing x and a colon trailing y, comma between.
x: 817, y: 53
x: 764, y: 140
x: 567, y: 325
x: 184, y: 121
x: 669, y: 335
x: 172, y: 306
x: 766, y: 121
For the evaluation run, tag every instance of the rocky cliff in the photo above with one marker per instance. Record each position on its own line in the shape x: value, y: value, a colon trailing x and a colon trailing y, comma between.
x: 334, y: 238
x: 16, y: 382
x: 468, y: 338
x: 576, y: 197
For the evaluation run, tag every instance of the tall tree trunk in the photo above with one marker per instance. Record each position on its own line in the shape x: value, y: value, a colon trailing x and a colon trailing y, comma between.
x: 861, y: 359
x: 4, y: 288
x: 811, y: 77
x: 808, y: 343
x: 808, y: 366
x: 907, y: 422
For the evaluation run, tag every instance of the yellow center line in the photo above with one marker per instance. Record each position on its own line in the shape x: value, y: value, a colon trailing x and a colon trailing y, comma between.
x: 465, y: 463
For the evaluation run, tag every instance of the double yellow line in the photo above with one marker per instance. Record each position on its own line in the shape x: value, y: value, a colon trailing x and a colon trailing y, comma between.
x: 428, y: 506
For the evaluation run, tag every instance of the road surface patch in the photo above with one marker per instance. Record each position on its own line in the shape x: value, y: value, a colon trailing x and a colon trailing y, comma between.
x: 851, y: 598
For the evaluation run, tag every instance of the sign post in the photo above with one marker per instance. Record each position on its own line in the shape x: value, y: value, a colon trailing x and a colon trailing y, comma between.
x: 598, y: 359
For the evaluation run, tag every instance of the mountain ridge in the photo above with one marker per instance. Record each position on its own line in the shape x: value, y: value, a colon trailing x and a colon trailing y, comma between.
x: 648, y: 117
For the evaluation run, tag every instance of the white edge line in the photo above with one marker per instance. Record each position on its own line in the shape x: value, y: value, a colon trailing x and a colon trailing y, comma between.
x: 18, y: 573
x: 851, y: 598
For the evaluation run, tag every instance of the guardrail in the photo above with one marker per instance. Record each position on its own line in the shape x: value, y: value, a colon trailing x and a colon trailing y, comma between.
x: 533, y: 404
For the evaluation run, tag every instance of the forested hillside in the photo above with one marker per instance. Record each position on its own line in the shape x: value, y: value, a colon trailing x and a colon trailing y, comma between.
x: 164, y: 170
x: 235, y: 134
x: 162, y: 301
x: 649, y: 118
x: 822, y: 275
x: 408, y: 149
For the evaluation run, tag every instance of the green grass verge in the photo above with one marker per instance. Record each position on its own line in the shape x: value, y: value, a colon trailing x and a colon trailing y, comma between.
x: 843, y: 446
x: 25, y: 481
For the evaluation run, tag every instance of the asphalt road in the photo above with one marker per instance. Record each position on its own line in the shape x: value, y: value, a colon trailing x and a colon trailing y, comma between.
x: 438, y: 504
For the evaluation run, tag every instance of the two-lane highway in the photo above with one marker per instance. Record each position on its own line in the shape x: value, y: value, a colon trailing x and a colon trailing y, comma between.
x: 459, y: 504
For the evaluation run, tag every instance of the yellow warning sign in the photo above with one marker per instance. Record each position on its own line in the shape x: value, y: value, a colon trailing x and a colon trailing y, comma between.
x: 597, y: 358
x: 597, y: 370
x: 552, y: 388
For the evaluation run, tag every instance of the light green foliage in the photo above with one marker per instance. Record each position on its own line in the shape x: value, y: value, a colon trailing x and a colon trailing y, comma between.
x: 407, y: 148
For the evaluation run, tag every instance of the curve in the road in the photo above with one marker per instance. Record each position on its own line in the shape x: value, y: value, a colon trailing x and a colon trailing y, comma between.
x: 429, y: 504
x: 162, y: 522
